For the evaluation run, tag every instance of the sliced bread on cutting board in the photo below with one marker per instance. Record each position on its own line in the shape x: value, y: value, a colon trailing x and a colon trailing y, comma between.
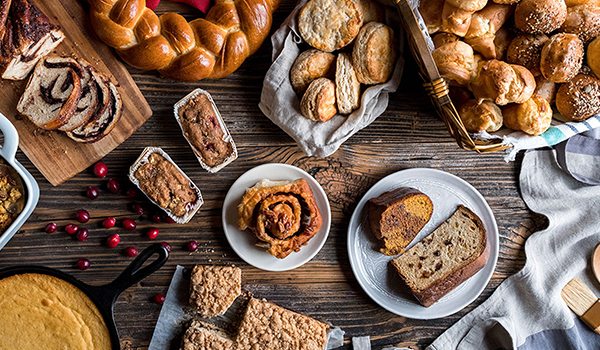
x: 452, y: 253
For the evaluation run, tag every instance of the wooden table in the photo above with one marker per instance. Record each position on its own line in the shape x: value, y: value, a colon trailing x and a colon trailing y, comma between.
x: 408, y: 135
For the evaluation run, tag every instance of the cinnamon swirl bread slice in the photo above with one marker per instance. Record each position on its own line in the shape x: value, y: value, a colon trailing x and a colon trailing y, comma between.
x: 52, y: 93
x: 101, y: 124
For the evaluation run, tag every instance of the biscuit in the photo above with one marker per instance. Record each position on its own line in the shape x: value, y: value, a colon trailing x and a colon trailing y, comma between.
x: 310, y: 65
x: 347, y: 86
x: 329, y: 25
x: 374, y: 53
x: 371, y: 11
x: 318, y: 102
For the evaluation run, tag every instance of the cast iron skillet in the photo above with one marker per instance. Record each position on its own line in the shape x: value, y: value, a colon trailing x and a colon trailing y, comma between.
x: 104, y: 297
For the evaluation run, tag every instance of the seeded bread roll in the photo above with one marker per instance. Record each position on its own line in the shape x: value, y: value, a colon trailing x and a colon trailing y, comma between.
x: 483, y: 28
x: 310, y: 65
x: 503, y: 83
x: 318, y: 102
x: 374, y: 53
x: 455, y: 20
x: 571, y: 3
x: 347, y: 86
x: 533, y: 117
x: 540, y: 16
x: 469, y: 5
x: 431, y: 11
x: 456, y: 62
x: 593, y: 56
x: 562, y: 57
x: 484, y: 116
x: 506, y: 2
x: 579, y: 99
x: 329, y: 25
x: 583, y: 20
x: 526, y: 50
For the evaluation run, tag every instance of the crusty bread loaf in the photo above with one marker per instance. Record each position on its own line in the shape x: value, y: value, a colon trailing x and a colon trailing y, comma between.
x: 52, y: 93
x: 310, y: 65
x: 397, y: 216
x: 452, y: 253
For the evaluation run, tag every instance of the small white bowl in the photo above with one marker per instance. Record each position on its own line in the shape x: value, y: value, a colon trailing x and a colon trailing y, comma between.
x: 244, y: 242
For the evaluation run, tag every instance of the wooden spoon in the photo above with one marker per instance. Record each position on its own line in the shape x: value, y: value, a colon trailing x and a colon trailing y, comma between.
x: 596, y: 263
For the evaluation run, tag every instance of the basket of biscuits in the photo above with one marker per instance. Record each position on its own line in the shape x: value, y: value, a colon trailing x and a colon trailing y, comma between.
x: 334, y: 64
x: 508, y: 73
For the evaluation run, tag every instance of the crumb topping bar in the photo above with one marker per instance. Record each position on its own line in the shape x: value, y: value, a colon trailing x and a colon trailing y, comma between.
x: 214, y: 288
x: 201, y: 336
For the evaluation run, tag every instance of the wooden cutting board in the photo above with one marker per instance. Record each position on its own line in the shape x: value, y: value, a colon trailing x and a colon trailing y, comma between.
x: 56, y: 156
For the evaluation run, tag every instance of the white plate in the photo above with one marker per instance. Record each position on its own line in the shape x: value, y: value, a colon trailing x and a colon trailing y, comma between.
x: 244, y: 243
x: 372, y: 269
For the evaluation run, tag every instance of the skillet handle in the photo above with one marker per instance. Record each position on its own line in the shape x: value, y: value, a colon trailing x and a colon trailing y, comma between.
x: 135, y: 272
x: 11, y: 139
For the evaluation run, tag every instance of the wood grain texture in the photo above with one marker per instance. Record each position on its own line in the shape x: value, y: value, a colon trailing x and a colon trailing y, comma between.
x: 58, y: 157
x: 408, y: 135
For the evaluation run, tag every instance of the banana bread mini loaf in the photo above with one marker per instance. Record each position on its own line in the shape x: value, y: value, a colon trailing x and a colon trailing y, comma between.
x: 397, y: 216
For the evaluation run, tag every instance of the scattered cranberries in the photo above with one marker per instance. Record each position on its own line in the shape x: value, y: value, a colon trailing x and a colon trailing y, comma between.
x: 152, y: 233
x: 100, y: 169
x: 51, y: 228
x: 113, y: 240
x: 92, y: 192
x: 82, y: 234
x: 83, y: 264
x: 131, y: 251
x: 159, y: 298
x: 82, y: 215
x: 191, y: 246
x: 138, y: 209
x: 109, y: 222
x: 71, y: 229
x: 168, y: 220
x: 113, y: 185
x: 129, y: 224
x: 131, y: 193
x: 156, y: 218
x: 166, y: 245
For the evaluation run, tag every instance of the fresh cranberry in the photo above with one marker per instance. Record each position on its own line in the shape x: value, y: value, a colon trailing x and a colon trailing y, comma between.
x: 131, y: 193
x: 82, y: 215
x: 82, y: 234
x: 92, y: 192
x: 100, y: 169
x: 113, y: 185
x: 131, y: 251
x: 51, y: 228
x: 191, y: 246
x: 113, y: 240
x: 109, y: 222
x: 156, y: 218
x: 83, y: 264
x: 159, y: 298
x: 168, y: 219
x: 71, y: 229
x: 152, y: 233
x: 166, y: 245
x: 128, y: 224
x: 138, y: 209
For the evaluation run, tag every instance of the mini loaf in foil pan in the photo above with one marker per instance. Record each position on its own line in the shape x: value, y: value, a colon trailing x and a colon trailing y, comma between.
x: 205, y: 131
x: 166, y: 185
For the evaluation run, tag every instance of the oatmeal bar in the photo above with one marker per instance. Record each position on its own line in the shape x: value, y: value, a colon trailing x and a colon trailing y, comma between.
x: 214, y: 288
x: 202, y: 336
x: 267, y: 326
x: 202, y: 128
x: 166, y: 185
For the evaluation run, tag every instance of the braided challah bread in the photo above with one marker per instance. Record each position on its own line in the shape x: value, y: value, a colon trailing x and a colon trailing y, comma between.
x: 210, y: 47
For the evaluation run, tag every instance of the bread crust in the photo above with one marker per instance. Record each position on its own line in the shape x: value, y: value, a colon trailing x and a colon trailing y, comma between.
x: 347, y: 86
x: 540, y: 16
x: 526, y: 50
x: 579, y: 99
x: 562, y: 57
x: 431, y: 11
x: 374, y: 53
x: 533, y: 117
x: 593, y: 56
x: 456, y: 62
x: 503, y: 83
x: 584, y: 21
x: 318, y: 102
x: 310, y: 65
x: 484, y: 116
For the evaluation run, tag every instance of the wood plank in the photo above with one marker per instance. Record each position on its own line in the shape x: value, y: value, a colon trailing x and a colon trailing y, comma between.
x: 54, y: 154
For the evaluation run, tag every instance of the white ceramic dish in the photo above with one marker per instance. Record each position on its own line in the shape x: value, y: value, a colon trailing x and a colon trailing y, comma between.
x: 244, y: 243
x: 372, y: 269
x: 32, y: 191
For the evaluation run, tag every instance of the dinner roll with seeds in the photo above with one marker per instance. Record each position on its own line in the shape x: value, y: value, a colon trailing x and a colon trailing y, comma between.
x: 583, y: 20
x: 540, y: 16
x: 561, y: 57
x: 526, y: 50
x: 579, y: 99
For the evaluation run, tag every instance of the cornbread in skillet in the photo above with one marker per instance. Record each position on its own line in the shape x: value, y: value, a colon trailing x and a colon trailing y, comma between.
x: 266, y: 326
x: 397, y: 216
x: 11, y: 197
x: 451, y: 254
x: 214, y: 288
x: 43, y: 312
x: 166, y: 185
x: 203, y: 336
x: 203, y: 130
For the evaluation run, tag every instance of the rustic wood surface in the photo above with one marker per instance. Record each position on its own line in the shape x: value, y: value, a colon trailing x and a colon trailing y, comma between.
x: 408, y: 135
x: 57, y: 156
